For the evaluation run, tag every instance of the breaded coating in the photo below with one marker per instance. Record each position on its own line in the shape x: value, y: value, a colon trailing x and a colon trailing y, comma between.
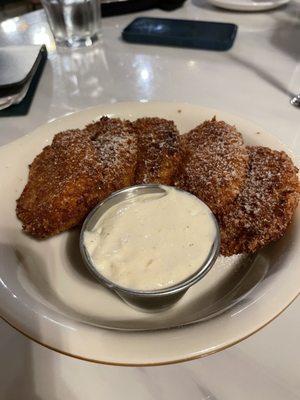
x: 158, y: 150
x: 68, y: 178
x: 265, y: 207
x: 64, y: 184
x: 116, y: 142
x: 215, y: 163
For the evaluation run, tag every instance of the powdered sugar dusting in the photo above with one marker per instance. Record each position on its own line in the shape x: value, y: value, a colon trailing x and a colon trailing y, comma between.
x: 158, y: 150
x: 253, y: 191
x: 116, y: 143
x: 215, y: 163
x: 64, y: 183
x: 264, y: 208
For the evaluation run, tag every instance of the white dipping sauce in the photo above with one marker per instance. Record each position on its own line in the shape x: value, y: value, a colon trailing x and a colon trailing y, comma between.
x: 153, y: 241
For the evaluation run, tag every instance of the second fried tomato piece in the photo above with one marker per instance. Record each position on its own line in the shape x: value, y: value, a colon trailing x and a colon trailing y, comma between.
x: 158, y: 150
x: 265, y: 207
x: 215, y: 163
x: 116, y: 142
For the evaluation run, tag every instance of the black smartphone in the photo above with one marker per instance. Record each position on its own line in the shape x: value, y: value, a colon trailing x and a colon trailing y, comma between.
x: 181, y: 33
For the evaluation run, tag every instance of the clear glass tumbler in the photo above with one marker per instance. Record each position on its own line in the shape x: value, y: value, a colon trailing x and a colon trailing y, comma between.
x: 74, y: 23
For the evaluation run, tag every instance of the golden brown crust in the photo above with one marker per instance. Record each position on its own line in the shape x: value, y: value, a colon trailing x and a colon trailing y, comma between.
x: 61, y: 186
x: 158, y: 150
x: 215, y: 163
x: 79, y: 169
x: 253, y: 191
x: 265, y: 207
x: 116, y: 142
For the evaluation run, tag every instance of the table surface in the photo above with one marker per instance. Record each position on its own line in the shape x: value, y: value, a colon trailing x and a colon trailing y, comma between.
x: 255, y: 80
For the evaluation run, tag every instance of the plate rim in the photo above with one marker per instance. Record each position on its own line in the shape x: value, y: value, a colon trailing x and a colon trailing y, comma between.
x: 251, y: 7
x: 154, y: 364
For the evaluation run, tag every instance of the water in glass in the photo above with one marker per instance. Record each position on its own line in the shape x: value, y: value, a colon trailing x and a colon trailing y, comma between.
x: 74, y: 23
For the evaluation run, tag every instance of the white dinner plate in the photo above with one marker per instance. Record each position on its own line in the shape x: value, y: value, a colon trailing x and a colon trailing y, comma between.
x: 249, y: 5
x: 47, y: 293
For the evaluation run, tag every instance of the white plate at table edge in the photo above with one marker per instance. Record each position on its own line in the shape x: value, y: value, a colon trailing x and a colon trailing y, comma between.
x: 151, y: 348
x: 249, y: 5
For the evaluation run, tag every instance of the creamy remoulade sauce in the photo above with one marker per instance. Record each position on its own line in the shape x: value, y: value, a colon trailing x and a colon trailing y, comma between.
x: 152, y: 241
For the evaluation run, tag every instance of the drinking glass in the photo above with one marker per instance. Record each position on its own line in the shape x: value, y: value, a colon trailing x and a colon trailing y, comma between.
x: 74, y: 23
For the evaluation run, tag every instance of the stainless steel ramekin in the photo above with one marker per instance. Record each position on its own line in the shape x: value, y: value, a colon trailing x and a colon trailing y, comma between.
x: 144, y: 300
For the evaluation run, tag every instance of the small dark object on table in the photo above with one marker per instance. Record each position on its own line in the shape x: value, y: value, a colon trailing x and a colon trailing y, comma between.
x: 110, y: 8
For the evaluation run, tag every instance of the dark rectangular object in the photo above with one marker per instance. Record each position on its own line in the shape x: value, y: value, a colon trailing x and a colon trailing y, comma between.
x: 181, y: 33
x: 23, y: 107
x: 111, y: 7
x: 18, y: 64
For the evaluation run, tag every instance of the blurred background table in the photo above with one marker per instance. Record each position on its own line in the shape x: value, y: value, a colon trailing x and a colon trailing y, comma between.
x: 254, y: 80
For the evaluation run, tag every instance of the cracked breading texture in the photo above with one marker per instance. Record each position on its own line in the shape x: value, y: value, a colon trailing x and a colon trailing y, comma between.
x: 215, y: 163
x: 116, y: 141
x: 61, y: 185
x: 68, y: 178
x: 158, y: 150
x: 265, y: 207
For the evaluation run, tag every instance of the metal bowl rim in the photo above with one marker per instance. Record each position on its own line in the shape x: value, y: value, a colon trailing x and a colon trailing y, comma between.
x: 183, y: 285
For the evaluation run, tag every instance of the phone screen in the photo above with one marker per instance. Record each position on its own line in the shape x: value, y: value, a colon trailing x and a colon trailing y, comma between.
x: 182, y: 33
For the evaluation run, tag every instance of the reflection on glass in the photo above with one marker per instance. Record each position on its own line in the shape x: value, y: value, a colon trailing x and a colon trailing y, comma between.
x: 82, y: 77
